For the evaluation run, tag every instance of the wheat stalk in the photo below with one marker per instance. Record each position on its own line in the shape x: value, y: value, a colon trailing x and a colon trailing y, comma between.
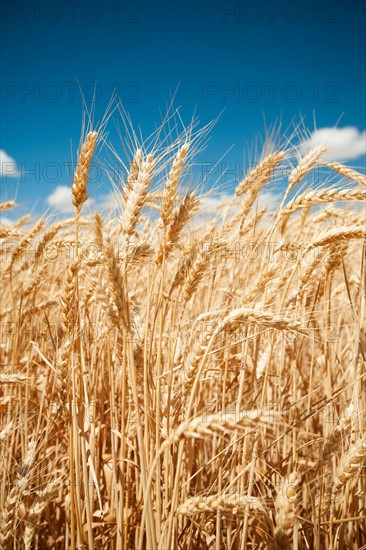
x: 167, y: 380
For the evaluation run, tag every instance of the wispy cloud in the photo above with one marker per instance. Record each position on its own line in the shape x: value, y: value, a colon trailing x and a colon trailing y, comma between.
x: 6, y: 220
x: 215, y: 206
x: 110, y: 201
x: 8, y: 166
x: 343, y: 143
x: 60, y: 200
x: 212, y: 207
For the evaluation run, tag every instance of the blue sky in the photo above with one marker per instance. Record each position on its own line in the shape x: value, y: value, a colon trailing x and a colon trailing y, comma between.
x: 244, y: 59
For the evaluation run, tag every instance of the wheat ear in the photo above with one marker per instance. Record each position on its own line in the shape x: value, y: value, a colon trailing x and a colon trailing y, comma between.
x: 134, y: 170
x: 259, y: 176
x: 231, y: 321
x: 197, y: 268
x: 36, y: 511
x: 337, y: 235
x: 347, y: 172
x: 348, y: 468
x: 222, y: 422
x: 256, y: 185
x: 170, y: 191
x: 9, y: 512
x: 180, y: 218
x: 80, y: 185
x: 236, y: 503
x: 285, y: 510
x: 331, y: 445
x: 22, y: 245
x: 303, y: 168
x: 68, y: 309
x: 8, y: 232
x: 318, y: 197
x: 351, y: 463
x: 8, y: 205
x: 134, y: 196
x: 111, y: 278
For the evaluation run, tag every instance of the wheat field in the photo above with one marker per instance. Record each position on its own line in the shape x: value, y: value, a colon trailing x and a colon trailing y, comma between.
x: 174, y: 379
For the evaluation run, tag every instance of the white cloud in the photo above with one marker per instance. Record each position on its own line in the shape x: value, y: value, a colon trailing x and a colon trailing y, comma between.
x: 8, y: 166
x: 212, y: 207
x: 216, y: 204
x: 269, y: 199
x: 60, y: 199
x: 343, y: 143
x: 110, y: 201
x: 6, y: 220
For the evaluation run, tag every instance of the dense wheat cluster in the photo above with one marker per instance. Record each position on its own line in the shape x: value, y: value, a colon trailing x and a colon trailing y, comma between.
x: 175, y: 379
